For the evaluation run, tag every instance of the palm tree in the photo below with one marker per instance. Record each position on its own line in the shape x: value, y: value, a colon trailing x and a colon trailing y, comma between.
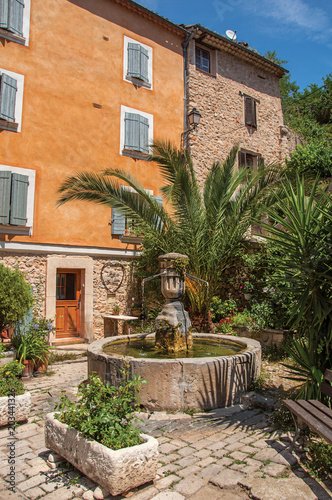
x: 208, y: 225
x: 301, y: 231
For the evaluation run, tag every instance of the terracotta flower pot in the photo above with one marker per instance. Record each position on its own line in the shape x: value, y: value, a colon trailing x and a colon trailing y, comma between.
x: 40, y: 365
x: 28, y: 368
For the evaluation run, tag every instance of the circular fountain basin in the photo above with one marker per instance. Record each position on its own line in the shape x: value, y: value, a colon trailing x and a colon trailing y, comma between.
x: 173, y: 384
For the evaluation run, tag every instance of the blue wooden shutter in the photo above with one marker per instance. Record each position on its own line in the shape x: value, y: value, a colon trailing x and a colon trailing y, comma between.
x: 118, y: 222
x: 134, y: 60
x: 159, y: 200
x: 132, y: 131
x: 5, y: 188
x: 143, y: 134
x: 4, y: 4
x: 15, y: 18
x: 144, y: 64
x: 7, y: 97
x: 19, y: 198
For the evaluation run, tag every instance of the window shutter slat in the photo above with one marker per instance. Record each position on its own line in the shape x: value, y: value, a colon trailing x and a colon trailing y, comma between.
x: 4, y: 13
x: 144, y: 64
x: 15, y: 19
x: 118, y: 222
x: 8, y: 97
x: 19, y: 198
x: 5, y: 188
x: 132, y: 134
x: 144, y: 134
x: 134, y: 59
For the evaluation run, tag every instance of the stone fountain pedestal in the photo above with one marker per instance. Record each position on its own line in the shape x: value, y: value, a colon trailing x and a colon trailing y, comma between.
x: 173, y: 325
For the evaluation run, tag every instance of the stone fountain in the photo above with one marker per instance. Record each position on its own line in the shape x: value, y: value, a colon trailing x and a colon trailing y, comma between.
x: 173, y: 325
x: 177, y: 377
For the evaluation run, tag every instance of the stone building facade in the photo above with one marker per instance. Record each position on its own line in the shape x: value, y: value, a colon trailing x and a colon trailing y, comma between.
x: 236, y: 91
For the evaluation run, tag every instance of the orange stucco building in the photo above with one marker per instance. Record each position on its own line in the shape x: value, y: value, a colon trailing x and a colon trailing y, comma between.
x: 85, y: 85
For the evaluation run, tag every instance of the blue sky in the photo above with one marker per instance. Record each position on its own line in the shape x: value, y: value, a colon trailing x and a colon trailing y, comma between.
x: 299, y: 30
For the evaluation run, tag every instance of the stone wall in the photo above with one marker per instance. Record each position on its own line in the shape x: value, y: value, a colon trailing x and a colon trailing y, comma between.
x: 112, y: 285
x: 217, y: 98
x: 115, y: 287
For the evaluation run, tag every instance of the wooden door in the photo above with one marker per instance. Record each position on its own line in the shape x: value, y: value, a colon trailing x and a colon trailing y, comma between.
x: 68, y: 300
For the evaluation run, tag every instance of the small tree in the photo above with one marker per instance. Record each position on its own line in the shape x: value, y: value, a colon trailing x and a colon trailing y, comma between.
x: 15, y: 296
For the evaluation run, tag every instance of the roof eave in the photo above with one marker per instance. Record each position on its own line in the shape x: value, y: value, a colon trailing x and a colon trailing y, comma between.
x: 152, y: 16
x: 219, y: 42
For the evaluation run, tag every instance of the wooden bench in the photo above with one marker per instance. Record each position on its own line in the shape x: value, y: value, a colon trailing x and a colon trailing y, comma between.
x: 313, y: 414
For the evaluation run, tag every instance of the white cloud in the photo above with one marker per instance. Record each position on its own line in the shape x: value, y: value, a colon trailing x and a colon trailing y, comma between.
x: 295, y: 16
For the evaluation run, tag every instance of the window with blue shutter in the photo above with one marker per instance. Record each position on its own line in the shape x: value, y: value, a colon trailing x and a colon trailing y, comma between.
x: 118, y: 220
x: 11, y: 16
x: 8, y: 89
x: 136, y: 133
x: 138, y: 62
x: 13, y: 198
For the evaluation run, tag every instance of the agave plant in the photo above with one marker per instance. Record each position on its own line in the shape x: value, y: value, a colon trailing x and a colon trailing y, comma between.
x: 209, y: 224
x: 301, y: 232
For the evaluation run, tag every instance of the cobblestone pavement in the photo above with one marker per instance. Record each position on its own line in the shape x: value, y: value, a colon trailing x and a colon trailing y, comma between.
x: 227, y: 453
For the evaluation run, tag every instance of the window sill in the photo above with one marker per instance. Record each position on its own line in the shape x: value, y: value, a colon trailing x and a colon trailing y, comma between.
x: 11, y: 229
x: 134, y: 240
x: 206, y: 73
x: 138, y: 82
x: 138, y: 155
x: 12, y: 36
x: 6, y: 125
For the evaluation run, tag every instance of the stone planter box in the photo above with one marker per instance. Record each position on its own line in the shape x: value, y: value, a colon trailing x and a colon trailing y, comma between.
x: 116, y: 471
x: 266, y: 336
x: 21, y: 409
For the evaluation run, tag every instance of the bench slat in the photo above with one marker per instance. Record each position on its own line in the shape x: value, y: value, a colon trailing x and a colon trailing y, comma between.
x: 328, y: 375
x: 311, y: 421
x: 323, y: 408
x: 320, y: 416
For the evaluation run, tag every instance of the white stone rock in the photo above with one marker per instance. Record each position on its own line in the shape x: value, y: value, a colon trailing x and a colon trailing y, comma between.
x: 116, y: 471
x: 100, y: 493
x: 18, y: 411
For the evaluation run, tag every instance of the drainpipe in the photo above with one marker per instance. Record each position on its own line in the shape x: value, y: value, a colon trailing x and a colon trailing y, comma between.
x: 185, y: 57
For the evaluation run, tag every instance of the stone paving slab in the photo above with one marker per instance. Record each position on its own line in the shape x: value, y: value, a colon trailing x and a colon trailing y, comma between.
x: 228, y: 453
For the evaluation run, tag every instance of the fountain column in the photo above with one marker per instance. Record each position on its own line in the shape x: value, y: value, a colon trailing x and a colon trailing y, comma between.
x: 173, y: 326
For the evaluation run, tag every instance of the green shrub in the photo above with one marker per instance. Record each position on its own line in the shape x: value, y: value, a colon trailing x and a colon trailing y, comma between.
x: 221, y: 309
x: 315, y: 157
x: 9, y: 381
x: 103, y: 412
x: 15, y: 297
x: 320, y: 458
x: 242, y: 318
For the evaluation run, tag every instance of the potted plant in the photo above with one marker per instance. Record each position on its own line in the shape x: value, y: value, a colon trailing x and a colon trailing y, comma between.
x: 97, y: 436
x: 31, y: 346
x: 247, y: 289
x: 116, y: 310
x: 14, y: 401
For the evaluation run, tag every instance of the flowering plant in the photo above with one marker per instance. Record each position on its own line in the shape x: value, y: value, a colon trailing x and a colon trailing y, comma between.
x: 247, y: 287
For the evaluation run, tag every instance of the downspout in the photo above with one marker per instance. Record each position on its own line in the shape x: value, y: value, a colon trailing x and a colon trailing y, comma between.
x: 185, y: 57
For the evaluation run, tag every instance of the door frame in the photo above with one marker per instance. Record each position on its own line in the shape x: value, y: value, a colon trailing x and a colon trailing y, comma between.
x: 85, y: 265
